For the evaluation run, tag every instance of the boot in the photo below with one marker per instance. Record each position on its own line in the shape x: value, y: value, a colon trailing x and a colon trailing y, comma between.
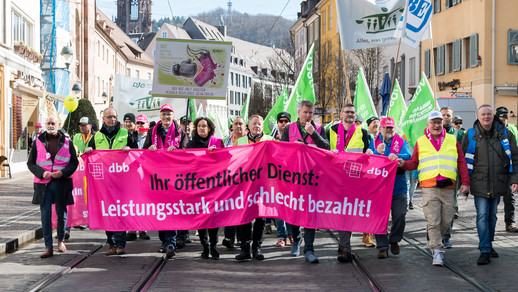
x: 205, y: 253
x: 47, y: 254
x: 214, y: 252
x: 244, y: 254
x: 257, y: 255
x: 367, y: 240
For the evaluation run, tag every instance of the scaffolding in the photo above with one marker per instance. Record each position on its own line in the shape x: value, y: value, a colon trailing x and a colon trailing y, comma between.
x: 54, y: 34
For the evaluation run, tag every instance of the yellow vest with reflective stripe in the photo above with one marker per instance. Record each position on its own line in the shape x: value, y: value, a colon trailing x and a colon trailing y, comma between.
x: 120, y: 140
x: 433, y: 163
x: 355, y: 144
x: 244, y: 140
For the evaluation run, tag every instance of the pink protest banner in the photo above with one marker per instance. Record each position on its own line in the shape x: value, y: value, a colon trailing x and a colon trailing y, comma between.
x: 194, y: 188
x: 77, y: 214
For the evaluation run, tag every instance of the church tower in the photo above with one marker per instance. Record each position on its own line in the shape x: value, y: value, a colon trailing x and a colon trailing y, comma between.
x: 134, y: 16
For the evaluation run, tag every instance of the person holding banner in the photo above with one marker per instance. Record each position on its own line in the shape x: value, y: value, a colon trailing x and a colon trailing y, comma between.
x: 346, y: 136
x: 438, y: 158
x: 255, y: 135
x: 238, y: 131
x: 53, y: 160
x: 203, y: 137
x: 112, y: 136
x: 166, y: 134
x: 388, y: 143
x: 307, y: 132
x: 492, y: 155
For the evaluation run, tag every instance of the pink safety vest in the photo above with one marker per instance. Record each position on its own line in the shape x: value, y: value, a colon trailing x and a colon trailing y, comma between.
x: 295, y: 134
x: 44, y: 160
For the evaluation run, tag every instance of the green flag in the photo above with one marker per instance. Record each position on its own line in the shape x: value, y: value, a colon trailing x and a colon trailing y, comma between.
x: 363, y: 99
x: 244, y: 111
x: 218, y: 133
x: 397, y: 108
x: 270, y: 122
x: 303, y: 89
x: 416, y: 116
x: 192, y: 109
x: 328, y: 126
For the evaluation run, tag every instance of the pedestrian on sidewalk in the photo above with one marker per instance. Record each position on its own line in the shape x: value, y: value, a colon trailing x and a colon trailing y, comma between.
x: 491, y: 155
x: 53, y: 160
x: 438, y: 158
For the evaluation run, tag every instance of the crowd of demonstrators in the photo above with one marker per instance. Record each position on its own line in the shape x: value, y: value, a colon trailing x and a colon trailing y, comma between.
x: 307, y: 132
x: 445, y: 161
x: 53, y: 160
x: 203, y: 137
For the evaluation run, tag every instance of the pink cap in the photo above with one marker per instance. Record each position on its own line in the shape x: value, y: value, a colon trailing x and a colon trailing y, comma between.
x: 142, y: 118
x: 388, y: 122
x: 38, y: 125
x: 166, y: 107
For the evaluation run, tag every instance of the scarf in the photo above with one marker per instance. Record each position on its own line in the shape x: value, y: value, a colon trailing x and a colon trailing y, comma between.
x: 170, y: 139
x: 254, y: 139
x: 395, y: 146
x: 199, y: 142
x: 436, y: 143
x: 340, y: 140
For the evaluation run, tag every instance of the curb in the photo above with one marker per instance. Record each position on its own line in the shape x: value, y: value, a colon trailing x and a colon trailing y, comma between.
x: 13, y: 244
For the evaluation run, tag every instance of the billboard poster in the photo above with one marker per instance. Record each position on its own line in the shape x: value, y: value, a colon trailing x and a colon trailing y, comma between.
x: 191, y: 69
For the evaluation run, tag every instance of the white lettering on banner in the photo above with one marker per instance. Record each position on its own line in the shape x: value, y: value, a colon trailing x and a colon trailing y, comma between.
x: 383, y: 172
x: 360, y: 208
x: 85, y: 214
x: 96, y: 169
x: 115, y: 167
x: 353, y: 169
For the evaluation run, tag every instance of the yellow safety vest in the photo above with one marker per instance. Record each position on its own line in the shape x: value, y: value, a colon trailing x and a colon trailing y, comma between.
x: 244, y: 140
x: 120, y: 140
x: 355, y: 145
x: 433, y: 163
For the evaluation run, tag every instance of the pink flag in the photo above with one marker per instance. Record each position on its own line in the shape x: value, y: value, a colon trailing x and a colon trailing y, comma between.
x: 194, y: 188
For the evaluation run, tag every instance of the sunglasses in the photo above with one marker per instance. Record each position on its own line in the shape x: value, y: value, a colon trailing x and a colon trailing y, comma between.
x: 283, y: 121
x: 458, y: 123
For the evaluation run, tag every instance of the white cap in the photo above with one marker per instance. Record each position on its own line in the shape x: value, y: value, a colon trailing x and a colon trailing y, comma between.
x: 434, y: 115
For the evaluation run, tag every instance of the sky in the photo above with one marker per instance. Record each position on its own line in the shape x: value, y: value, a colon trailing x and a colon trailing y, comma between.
x: 160, y: 8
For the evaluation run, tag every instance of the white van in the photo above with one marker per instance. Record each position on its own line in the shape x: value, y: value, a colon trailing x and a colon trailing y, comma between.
x: 463, y: 106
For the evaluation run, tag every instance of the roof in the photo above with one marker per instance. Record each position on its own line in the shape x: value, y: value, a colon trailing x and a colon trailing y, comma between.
x: 146, y: 40
x: 127, y: 47
x: 178, y: 32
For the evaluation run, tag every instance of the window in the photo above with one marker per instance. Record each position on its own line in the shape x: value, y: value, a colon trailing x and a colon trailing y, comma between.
x: 439, y: 60
x: 137, y: 74
x: 21, y: 29
x: 411, y: 69
x: 231, y: 112
x: 164, y: 34
x: 457, y: 49
x: 134, y: 10
x: 238, y: 98
x: 135, y: 40
x: 448, y: 58
x: 231, y: 97
x: 231, y: 78
x: 244, y: 97
x: 325, y: 20
x: 451, y: 3
x: 512, y: 47
x: 244, y: 81
x: 436, y: 6
x: 330, y: 16
x: 473, y: 50
x: 427, y: 63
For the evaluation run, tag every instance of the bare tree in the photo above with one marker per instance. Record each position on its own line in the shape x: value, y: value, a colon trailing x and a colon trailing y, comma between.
x: 332, y: 81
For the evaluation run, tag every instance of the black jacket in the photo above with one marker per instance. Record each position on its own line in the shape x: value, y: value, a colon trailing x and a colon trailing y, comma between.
x: 490, y: 176
x: 65, y: 182
x: 178, y: 130
x: 319, y: 138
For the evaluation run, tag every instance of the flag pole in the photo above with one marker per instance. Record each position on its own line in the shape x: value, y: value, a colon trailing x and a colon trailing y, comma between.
x: 346, y: 79
x: 394, y: 74
x: 432, y: 65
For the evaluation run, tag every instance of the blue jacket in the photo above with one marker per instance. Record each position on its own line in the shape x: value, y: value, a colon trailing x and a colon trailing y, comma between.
x: 400, y: 186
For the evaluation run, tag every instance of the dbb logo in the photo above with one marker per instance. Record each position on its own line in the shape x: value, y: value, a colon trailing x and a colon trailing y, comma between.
x: 115, y: 167
x: 383, y: 172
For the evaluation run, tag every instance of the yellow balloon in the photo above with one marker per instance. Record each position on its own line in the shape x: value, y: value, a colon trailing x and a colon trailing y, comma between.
x: 71, y: 103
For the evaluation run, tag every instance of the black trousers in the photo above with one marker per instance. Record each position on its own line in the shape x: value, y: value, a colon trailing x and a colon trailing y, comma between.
x: 256, y: 237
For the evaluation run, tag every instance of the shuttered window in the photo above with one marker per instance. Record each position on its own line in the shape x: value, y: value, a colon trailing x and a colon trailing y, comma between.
x: 427, y: 63
x: 456, y: 66
x: 473, y: 50
x: 439, y: 62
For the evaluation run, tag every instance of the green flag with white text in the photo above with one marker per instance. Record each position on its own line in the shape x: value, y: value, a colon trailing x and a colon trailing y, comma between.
x: 363, y: 99
x: 397, y: 108
x: 304, y: 87
x: 270, y: 121
x: 416, y: 116
x: 244, y: 111
x: 192, y: 109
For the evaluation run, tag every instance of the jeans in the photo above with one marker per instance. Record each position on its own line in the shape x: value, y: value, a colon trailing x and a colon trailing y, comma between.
x: 398, y: 210
x: 116, y: 238
x: 283, y: 228
x: 486, y: 221
x: 51, y: 196
x: 168, y: 238
x: 411, y: 185
x: 509, y: 203
x: 309, y: 237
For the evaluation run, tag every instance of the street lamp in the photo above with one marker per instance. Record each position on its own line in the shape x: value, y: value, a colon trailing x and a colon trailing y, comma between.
x: 76, y: 88
x: 67, y: 53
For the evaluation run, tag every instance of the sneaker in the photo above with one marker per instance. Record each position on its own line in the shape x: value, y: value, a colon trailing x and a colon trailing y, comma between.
x: 161, y: 250
x: 383, y: 254
x: 345, y: 257
x: 111, y: 251
x: 493, y: 253
x: 511, y: 228
x: 295, y: 248
x: 311, y: 258
x: 410, y: 206
x: 268, y: 229
x: 243, y: 256
x: 280, y: 242
x: 394, y: 247
x: 446, y: 243
x: 367, y: 240
x: 131, y: 236
x: 120, y: 251
x: 484, y: 258
x: 228, y: 243
x: 289, y: 241
x: 169, y: 252
x: 143, y: 235
x: 437, y: 258
x: 180, y: 244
